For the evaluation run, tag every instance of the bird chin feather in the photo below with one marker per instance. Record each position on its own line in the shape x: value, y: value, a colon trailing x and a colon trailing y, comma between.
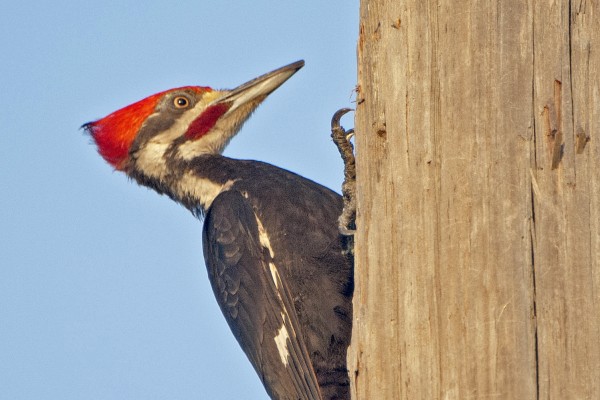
x: 215, y: 140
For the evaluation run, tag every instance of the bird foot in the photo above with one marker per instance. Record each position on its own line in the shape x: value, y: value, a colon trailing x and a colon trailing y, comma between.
x: 341, y: 138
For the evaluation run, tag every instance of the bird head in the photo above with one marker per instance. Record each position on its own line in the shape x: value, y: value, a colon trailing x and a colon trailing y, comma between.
x: 184, y: 122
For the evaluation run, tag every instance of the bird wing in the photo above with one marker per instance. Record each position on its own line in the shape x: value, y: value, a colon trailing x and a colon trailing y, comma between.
x: 255, y: 299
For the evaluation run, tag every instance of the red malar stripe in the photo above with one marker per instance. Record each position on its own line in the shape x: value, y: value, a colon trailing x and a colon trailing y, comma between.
x: 206, y: 121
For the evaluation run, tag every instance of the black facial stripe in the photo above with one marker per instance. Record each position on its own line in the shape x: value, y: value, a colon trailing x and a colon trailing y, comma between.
x: 164, y: 117
x: 154, y: 125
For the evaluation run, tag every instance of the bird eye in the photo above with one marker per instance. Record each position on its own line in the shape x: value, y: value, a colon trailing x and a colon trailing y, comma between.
x: 181, y: 102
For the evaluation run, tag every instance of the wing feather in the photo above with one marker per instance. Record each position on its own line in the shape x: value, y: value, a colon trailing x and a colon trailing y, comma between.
x: 255, y: 300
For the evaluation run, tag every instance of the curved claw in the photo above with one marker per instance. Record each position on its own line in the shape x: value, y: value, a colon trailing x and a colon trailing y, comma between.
x: 335, y: 120
x: 349, y: 134
x: 347, y: 232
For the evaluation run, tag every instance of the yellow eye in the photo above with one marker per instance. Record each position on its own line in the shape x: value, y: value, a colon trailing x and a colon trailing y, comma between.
x: 181, y: 102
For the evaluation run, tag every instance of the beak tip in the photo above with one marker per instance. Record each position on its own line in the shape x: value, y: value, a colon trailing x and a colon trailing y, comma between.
x: 297, y: 65
x: 261, y: 86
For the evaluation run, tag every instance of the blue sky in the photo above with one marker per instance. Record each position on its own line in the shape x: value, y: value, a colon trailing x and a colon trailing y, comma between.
x: 103, y: 290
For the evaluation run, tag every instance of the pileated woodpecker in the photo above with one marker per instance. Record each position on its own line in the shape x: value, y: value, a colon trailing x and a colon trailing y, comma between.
x: 271, y: 242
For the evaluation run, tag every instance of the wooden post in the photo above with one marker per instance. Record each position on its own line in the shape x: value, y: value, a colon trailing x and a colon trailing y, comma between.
x: 478, y: 174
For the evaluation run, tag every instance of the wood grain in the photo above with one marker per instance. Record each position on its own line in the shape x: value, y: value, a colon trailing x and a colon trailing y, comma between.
x: 478, y: 264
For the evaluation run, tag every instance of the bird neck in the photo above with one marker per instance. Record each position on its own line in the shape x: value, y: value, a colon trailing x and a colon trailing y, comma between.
x: 193, y: 183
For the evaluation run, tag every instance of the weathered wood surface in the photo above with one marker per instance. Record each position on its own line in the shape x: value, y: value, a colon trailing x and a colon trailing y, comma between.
x: 478, y: 243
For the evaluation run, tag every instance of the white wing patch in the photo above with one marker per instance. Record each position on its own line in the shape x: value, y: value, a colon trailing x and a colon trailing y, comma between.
x: 264, y: 238
x: 281, y: 340
x: 275, y: 276
x: 283, y: 335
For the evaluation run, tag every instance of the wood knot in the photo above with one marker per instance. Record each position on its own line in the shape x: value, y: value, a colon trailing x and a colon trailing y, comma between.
x: 381, y: 130
x: 581, y: 139
x: 552, y: 118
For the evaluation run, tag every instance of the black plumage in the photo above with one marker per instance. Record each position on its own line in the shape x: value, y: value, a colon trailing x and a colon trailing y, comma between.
x: 272, y: 248
x: 299, y: 218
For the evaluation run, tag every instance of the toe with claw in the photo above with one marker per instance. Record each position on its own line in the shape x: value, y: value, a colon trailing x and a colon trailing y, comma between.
x: 341, y: 138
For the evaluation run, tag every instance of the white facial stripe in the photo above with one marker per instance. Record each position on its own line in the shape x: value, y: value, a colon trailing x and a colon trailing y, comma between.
x: 212, y: 143
x: 150, y: 158
x: 215, y: 140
